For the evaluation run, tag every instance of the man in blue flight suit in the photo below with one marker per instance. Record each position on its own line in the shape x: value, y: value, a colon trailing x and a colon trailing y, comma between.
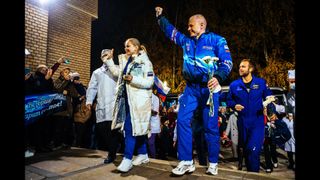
x: 197, y: 47
x: 246, y: 96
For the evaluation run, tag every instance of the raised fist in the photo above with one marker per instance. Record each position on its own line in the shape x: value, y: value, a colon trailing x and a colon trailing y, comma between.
x: 158, y: 11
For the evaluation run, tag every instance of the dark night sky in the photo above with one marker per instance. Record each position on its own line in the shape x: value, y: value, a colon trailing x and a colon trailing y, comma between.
x: 122, y: 19
x: 116, y: 20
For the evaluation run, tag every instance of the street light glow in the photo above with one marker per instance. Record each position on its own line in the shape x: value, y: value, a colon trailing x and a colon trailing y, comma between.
x: 43, y: 1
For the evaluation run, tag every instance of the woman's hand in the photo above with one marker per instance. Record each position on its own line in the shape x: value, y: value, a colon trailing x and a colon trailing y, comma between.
x: 127, y: 78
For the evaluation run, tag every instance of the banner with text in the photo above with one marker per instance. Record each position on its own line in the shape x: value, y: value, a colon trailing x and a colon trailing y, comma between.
x: 37, y: 106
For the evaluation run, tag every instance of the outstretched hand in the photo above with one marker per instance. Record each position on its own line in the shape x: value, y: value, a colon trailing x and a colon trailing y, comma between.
x: 49, y: 74
x: 27, y: 76
x: 61, y: 59
x: 108, y: 55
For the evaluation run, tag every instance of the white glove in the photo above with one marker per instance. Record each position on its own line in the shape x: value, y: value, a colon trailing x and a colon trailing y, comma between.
x: 268, y: 100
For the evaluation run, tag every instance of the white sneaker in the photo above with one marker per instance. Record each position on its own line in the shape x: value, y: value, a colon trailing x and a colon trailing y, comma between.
x: 212, y: 169
x: 141, y: 158
x: 125, y: 165
x: 184, y: 167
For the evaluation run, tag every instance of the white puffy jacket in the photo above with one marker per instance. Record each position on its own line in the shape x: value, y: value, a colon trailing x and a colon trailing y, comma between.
x: 139, y: 90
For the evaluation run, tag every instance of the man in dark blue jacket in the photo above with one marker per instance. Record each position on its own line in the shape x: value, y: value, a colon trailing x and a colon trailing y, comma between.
x: 200, y: 46
x: 276, y: 133
x: 246, y: 96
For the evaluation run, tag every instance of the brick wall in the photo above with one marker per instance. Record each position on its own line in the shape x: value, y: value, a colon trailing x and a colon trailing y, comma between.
x: 36, y: 28
x: 68, y: 34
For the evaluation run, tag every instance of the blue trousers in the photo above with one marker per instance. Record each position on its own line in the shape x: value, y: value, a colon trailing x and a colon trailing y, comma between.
x: 152, y: 145
x: 132, y: 142
x: 251, y: 137
x: 195, y: 96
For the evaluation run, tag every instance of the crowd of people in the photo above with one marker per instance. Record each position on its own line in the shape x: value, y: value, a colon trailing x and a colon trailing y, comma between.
x: 127, y: 117
x: 60, y: 130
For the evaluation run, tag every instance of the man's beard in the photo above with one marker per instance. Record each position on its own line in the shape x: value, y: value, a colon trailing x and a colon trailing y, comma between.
x: 244, y: 74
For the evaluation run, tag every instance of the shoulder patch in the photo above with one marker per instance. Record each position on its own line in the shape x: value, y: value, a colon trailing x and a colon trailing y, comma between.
x: 150, y: 74
x: 226, y: 48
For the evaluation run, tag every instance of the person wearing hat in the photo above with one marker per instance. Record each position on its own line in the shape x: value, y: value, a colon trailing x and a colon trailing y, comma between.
x: 37, y: 133
x: 41, y: 80
x: 291, y: 95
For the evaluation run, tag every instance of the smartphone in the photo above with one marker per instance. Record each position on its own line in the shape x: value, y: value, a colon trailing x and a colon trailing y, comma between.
x: 66, y: 61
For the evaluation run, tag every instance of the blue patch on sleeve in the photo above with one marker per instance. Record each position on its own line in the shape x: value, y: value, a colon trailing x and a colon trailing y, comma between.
x: 150, y: 74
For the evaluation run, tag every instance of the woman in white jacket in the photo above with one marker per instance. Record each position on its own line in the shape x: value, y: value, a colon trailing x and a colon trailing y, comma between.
x: 134, y: 89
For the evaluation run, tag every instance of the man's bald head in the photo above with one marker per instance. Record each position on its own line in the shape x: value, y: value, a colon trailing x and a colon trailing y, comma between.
x: 197, y: 25
x: 199, y: 18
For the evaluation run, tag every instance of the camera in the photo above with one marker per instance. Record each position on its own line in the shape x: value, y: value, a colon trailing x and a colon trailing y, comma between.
x: 74, y: 76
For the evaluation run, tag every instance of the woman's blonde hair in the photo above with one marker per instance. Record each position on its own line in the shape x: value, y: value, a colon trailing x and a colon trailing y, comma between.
x: 136, y: 42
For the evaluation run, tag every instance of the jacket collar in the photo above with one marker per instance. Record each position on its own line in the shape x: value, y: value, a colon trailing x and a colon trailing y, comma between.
x: 203, y: 34
x: 139, y: 58
x: 104, y: 68
x: 253, y: 82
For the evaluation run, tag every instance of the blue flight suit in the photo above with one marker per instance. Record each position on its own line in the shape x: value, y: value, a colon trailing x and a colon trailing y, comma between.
x: 196, y: 93
x: 251, y: 118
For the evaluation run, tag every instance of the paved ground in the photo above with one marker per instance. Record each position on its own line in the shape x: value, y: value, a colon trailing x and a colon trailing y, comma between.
x: 78, y: 164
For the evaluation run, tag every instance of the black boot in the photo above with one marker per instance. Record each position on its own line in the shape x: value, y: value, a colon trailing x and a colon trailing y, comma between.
x: 240, y: 158
x: 109, y: 159
x: 291, y: 161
